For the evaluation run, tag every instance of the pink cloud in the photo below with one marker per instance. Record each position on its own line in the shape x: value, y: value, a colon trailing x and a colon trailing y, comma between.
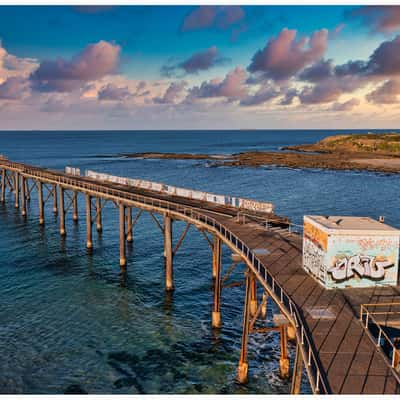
x: 11, y: 65
x: 383, y: 18
x: 201, y: 61
x: 94, y: 62
x: 387, y: 93
x: 284, y: 56
x: 385, y: 60
x: 221, y: 17
x: 232, y: 87
x: 112, y: 92
x: 172, y: 94
x: 14, y: 88
x: 264, y: 94
x: 197, y: 62
x: 347, y: 105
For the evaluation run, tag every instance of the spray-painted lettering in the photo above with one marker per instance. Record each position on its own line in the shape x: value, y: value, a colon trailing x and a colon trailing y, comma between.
x: 363, y: 266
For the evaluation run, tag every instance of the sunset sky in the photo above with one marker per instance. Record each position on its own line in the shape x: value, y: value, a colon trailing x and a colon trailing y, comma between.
x: 207, y: 67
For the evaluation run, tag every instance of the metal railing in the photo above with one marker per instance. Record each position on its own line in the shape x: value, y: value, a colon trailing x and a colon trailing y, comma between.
x: 315, y: 373
x: 383, y: 340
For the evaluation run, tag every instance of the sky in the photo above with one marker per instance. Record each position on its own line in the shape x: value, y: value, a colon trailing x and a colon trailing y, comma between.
x: 199, y: 67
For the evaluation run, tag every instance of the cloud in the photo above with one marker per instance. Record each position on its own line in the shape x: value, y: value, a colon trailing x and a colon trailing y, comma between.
x: 346, y: 106
x: 284, y: 56
x: 94, y: 62
x: 11, y: 65
x: 93, y: 9
x: 357, y: 67
x: 232, y: 87
x: 221, y: 17
x: 331, y: 81
x: 112, y: 92
x: 387, y: 93
x: 290, y: 95
x: 199, y: 61
x: 384, y: 19
x: 336, y: 31
x: 14, y: 88
x: 329, y: 90
x: 317, y: 72
x: 385, y: 60
x: 263, y: 95
x: 172, y: 94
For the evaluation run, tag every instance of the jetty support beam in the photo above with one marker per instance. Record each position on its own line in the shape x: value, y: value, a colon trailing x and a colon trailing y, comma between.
x: 168, y: 254
x: 297, y: 372
x: 99, y: 225
x: 75, y: 206
x: 27, y: 190
x: 122, y: 255
x: 62, y: 210
x: 89, y: 243
x: 3, y: 185
x: 243, y: 367
x: 253, y: 301
x: 23, y: 196
x: 55, y: 205
x: 129, y: 233
x: 216, y: 314
x: 16, y: 189
x: 264, y: 306
x: 41, y: 203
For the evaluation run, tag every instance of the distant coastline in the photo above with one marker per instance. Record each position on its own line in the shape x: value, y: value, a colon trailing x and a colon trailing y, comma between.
x: 370, y: 152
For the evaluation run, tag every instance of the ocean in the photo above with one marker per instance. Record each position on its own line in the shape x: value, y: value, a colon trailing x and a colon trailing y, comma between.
x: 72, y: 322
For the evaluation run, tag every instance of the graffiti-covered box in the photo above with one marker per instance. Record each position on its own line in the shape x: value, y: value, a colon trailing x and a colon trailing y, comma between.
x: 350, y: 251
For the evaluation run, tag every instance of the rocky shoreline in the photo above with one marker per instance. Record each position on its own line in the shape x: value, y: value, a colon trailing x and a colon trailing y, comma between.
x: 376, y: 153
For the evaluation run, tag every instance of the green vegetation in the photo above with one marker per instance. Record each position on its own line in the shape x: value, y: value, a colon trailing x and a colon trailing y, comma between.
x: 388, y: 144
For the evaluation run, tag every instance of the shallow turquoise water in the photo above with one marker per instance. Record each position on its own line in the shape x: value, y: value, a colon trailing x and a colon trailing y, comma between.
x: 71, y: 321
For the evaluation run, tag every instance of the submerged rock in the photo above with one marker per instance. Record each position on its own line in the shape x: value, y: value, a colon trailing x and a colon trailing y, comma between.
x: 75, y: 389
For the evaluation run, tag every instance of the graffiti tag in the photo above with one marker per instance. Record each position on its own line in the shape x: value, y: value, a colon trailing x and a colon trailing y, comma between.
x: 313, y: 258
x: 364, y: 266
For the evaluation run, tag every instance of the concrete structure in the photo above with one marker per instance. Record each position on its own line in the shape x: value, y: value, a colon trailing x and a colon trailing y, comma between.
x: 342, y: 251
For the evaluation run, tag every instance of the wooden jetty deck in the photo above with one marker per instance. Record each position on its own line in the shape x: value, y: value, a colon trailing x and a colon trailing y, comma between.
x: 334, y: 343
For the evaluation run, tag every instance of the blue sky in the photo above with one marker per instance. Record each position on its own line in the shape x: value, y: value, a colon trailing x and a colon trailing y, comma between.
x: 50, y: 68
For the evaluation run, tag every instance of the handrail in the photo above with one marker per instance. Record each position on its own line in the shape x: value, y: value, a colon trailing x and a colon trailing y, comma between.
x: 316, y: 376
x: 369, y: 318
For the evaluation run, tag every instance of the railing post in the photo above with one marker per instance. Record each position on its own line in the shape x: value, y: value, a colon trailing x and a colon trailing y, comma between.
x: 243, y: 367
x: 89, y: 243
x: 168, y: 256
x: 122, y: 256
x: 41, y: 204
x: 217, y: 265
x: 62, y: 210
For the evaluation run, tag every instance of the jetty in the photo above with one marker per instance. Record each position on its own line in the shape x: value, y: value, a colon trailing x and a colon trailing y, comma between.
x: 341, y: 335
